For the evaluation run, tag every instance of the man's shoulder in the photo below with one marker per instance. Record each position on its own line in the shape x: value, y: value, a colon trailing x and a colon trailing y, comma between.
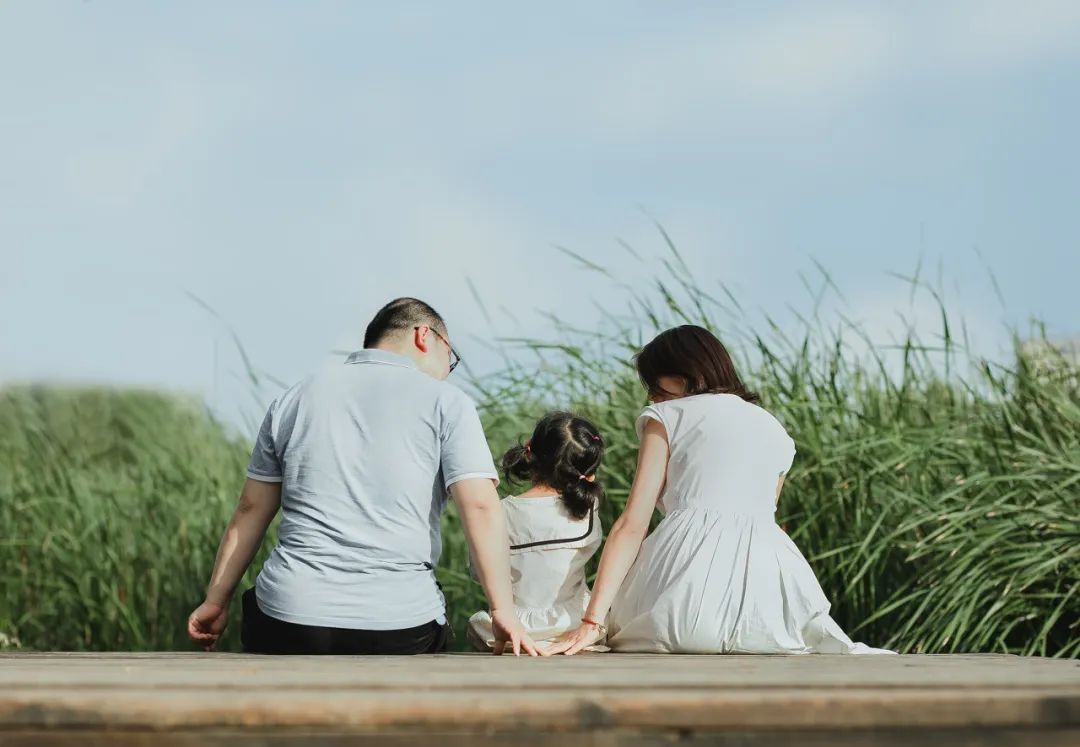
x: 291, y: 393
x: 414, y: 384
x: 452, y: 398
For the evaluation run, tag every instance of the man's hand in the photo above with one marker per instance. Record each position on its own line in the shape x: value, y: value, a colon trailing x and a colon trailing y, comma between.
x: 508, y: 629
x: 485, y: 529
x: 259, y: 502
x: 207, y: 623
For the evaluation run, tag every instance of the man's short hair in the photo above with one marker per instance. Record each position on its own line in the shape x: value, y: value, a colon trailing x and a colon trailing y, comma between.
x: 401, y: 315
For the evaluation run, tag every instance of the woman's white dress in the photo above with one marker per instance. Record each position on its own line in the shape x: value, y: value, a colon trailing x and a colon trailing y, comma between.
x: 548, y: 552
x: 718, y: 575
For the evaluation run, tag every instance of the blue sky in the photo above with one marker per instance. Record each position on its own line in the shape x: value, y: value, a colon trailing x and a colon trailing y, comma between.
x: 297, y: 164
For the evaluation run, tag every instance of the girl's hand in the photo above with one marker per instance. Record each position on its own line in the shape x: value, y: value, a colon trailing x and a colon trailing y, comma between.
x: 207, y: 623
x: 586, y: 635
x: 506, y: 628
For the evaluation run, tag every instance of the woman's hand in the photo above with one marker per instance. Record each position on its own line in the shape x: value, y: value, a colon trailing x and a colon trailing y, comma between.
x: 506, y: 628
x: 586, y: 635
x: 207, y: 623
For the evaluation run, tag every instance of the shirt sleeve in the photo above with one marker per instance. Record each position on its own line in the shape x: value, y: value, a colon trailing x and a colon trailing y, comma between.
x: 463, y: 447
x: 652, y: 412
x: 789, y: 452
x: 265, y: 465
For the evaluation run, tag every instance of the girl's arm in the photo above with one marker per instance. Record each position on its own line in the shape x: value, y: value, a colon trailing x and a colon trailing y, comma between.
x: 627, y: 534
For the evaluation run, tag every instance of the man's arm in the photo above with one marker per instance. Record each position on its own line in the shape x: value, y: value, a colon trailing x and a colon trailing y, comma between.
x: 259, y: 503
x: 485, y: 530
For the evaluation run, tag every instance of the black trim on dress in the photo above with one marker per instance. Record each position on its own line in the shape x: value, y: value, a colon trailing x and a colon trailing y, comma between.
x: 592, y: 513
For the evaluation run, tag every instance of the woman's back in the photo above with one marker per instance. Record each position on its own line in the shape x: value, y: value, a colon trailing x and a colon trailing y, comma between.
x: 725, y: 453
x: 718, y: 575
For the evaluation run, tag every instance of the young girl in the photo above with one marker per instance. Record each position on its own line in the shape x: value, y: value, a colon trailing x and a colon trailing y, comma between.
x: 718, y: 575
x: 554, y: 528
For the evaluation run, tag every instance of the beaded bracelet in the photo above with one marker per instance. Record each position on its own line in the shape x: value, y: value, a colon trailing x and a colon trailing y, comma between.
x: 599, y: 626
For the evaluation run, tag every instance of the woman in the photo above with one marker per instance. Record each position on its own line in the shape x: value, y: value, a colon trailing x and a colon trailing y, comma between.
x: 718, y: 575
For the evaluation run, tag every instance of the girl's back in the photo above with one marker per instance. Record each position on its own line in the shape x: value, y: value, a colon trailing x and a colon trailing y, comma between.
x: 549, y: 550
x: 553, y: 527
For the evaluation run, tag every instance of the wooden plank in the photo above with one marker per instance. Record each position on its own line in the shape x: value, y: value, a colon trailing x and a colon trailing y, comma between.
x: 634, y: 697
x: 260, y: 738
x: 456, y: 671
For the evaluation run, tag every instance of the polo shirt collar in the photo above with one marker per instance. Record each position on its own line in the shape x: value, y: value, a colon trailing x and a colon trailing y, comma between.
x: 374, y: 355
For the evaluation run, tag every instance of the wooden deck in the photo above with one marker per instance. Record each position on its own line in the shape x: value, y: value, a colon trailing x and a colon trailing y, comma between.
x: 462, y: 699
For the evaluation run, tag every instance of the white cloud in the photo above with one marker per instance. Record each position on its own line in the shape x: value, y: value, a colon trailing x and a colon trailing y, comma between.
x: 725, y: 74
x: 707, y: 76
x: 988, y: 35
x: 792, y: 59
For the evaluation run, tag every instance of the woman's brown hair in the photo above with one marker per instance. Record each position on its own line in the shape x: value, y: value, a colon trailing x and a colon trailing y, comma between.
x: 692, y: 353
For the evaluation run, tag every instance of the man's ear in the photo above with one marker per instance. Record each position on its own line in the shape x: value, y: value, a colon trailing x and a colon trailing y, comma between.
x: 420, y: 338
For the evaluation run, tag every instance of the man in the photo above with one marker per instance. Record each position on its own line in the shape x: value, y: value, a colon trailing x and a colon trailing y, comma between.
x: 359, y: 458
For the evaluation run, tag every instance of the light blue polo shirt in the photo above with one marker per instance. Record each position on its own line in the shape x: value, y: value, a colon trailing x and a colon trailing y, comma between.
x: 366, y: 453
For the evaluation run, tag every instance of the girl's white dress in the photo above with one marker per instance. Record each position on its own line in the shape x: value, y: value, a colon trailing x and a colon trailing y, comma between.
x: 548, y: 553
x: 718, y: 575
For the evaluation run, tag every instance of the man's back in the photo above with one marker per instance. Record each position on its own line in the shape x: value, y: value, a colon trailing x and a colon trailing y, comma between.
x: 365, y: 452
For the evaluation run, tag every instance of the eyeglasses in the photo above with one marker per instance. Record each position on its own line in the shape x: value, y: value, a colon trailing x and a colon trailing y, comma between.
x: 455, y: 359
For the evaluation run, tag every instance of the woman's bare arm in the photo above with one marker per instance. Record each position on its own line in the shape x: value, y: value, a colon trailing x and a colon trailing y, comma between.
x: 626, y: 535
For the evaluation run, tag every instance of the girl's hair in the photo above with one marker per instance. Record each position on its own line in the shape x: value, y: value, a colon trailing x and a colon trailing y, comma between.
x: 692, y: 353
x: 563, y: 451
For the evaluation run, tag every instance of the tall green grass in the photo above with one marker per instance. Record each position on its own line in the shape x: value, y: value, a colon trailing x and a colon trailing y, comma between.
x: 936, y: 493
x: 111, y: 507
